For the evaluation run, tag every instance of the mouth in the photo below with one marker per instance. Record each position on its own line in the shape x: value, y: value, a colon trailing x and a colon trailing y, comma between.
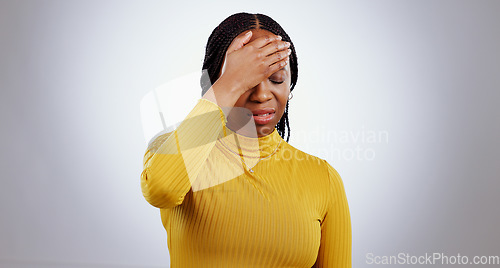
x: 266, y: 114
x: 263, y: 116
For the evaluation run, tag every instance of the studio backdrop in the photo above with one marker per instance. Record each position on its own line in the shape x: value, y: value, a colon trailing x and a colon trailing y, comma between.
x: 400, y: 97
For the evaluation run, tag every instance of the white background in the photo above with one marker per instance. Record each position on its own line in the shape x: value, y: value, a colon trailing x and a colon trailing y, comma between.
x: 423, y: 73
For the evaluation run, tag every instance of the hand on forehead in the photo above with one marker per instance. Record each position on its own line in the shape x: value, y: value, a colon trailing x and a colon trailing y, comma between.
x: 256, y: 33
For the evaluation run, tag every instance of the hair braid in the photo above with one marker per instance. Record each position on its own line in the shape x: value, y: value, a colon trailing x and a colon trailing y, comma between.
x: 222, y: 36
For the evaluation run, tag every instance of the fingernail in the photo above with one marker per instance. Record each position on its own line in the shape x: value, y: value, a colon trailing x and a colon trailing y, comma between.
x: 289, y: 51
x: 248, y: 33
x: 279, y: 37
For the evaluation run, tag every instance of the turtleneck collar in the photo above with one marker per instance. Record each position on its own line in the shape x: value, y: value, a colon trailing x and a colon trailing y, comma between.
x: 252, y: 146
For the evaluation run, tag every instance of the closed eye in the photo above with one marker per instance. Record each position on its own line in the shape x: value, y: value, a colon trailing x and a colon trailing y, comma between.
x: 277, y: 82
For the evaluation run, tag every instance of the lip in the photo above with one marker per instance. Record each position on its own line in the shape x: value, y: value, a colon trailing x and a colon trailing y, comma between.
x: 262, y: 120
x: 263, y: 111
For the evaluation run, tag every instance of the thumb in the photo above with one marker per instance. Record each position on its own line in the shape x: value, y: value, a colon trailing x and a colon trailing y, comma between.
x: 240, y: 42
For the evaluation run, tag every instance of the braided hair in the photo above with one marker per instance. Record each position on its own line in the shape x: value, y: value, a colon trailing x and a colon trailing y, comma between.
x: 221, y: 38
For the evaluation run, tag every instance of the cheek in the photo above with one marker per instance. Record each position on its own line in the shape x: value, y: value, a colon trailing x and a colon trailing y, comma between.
x: 282, y: 96
x: 241, y: 101
x: 283, y: 93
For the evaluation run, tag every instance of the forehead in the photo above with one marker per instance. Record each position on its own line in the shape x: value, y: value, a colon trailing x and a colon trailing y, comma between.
x: 256, y: 33
x: 285, y: 70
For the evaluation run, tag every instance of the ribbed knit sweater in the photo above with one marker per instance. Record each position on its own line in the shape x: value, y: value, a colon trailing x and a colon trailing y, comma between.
x: 219, y: 210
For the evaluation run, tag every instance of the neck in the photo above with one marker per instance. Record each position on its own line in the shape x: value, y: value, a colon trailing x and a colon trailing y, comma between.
x: 250, y: 131
x: 249, y: 143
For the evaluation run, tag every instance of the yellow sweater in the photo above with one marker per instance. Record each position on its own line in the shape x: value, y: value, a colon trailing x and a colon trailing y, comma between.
x: 291, y: 211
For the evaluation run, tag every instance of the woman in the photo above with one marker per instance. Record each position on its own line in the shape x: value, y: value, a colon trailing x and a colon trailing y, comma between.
x: 231, y: 191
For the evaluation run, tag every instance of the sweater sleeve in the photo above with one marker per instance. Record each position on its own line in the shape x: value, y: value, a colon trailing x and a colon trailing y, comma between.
x: 173, y: 160
x: 335, y: 247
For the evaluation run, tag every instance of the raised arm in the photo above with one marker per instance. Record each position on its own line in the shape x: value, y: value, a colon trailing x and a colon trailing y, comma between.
x: 174, y: 160
x: 336, y: 240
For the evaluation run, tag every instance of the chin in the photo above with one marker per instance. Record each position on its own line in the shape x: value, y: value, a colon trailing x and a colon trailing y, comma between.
x: 264, y: 129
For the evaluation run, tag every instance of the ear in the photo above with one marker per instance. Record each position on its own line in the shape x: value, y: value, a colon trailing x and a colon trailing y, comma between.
x: 239, y: 42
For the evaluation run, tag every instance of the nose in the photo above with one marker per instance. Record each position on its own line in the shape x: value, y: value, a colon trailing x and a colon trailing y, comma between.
x: 261, y: 93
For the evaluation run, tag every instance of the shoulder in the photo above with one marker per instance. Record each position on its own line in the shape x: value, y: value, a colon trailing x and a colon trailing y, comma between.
x: 290, y: 152
x: 330, y: 177
x: 334, y: 179
x: 336, y: 187
x: 158, y: 140
x: 318, y: 170
x: 154, y: 145
x: 333, y: 174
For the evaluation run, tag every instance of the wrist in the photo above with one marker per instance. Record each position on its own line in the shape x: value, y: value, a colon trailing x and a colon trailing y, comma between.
x: 229, y: 86
x: 225, y: 91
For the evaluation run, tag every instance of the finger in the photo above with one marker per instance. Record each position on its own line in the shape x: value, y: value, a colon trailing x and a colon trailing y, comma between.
x: 278, y: 56
x: 239, y: 42
x: 274, y: 47
x: 277, y: 65
x: 264, y: 40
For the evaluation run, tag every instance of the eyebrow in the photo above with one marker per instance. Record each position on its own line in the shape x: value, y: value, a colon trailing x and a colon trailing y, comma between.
x: 282, y: 69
